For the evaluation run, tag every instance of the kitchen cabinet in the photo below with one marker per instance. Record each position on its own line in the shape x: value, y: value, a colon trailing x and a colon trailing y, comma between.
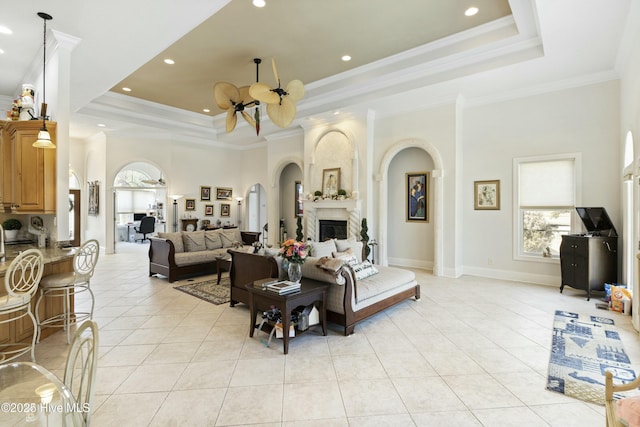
x: 31, y: 186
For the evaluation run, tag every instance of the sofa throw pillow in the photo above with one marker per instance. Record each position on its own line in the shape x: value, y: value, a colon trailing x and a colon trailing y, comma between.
x: 347, y: 256
x: 364, y: 269
x: 194, y: 241
x: 351, y: 243
x: 176, y: 239
x: 231, y: 238
x: 212, y: 239
x: 320, y: 249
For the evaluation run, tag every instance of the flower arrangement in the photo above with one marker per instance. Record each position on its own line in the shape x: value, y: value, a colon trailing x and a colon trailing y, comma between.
x: 293, y: 251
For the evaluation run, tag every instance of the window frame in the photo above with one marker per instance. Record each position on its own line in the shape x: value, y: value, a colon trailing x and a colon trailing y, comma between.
x: 518, y: 226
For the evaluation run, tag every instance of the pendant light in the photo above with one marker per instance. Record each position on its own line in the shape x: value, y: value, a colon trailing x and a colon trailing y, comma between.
x: 44, y: 138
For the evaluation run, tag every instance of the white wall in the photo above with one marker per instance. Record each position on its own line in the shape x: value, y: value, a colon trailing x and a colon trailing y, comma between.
x: 583, y: 120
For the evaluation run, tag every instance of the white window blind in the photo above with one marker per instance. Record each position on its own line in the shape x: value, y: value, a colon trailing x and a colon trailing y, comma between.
x: 547, y: 183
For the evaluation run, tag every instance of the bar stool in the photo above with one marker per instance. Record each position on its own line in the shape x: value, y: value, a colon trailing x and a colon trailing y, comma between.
x: 62, y: 285
x: 21, y: 282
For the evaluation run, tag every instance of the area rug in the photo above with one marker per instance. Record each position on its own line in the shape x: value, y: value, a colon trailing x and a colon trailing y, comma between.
x: 209, y: 290
x: 583, y: 348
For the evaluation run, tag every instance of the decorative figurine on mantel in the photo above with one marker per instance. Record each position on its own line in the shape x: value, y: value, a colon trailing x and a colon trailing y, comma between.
x: 27, y: 102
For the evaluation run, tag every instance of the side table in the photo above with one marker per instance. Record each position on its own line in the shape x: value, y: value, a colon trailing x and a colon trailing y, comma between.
x: 311, y: 291
x: 223, y: 263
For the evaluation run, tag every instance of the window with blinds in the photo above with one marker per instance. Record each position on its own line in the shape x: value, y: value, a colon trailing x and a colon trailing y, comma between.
x: 546, y: 196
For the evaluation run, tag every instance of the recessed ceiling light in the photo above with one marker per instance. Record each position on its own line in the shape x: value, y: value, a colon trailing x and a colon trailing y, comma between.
x: 101, y: 125
x: 346, y: 58
x: 206, y: 110
x: 471, y: 11
x: 169, y: 61
x: 126, y: 89
x: 336, y: 113
x: 259, y: 3
x: 1, y: 51
x: 5, y: 30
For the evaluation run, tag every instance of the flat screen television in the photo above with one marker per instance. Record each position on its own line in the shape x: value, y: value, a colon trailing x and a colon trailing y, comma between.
x: 597, y: 221
x: 138, y: 216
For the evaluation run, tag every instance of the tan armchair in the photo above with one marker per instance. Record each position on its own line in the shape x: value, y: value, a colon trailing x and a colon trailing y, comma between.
x: 611, y: 403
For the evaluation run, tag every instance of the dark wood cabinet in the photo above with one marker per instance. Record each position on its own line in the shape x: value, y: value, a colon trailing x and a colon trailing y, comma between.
x: 588, y: 262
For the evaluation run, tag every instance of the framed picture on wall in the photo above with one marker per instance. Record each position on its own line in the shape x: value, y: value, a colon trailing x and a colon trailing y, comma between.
x: 208, y: 210
x: 486, y: 195
x: 223, y: 193
x: 225, y: 209
x: 205, y: 193
x: 417, y: 192
x: 299, y: 208
x: 94, y: 198
x: 330, y: 182
x: 190, y: 204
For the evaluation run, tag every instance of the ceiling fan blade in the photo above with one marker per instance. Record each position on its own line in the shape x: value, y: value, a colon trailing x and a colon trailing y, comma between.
x: 263, y: 93
x: 295, y: 89
x: 275, y: 71
x: 244, y: 95
x: 232, y: 119
x: 150, y: 181
x: 249, y: 119
x: 225, y: 94
x: 282, y: 114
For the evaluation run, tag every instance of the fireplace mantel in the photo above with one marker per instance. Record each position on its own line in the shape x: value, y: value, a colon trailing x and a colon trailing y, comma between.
x: 347, y: 210
x: 348, y: 204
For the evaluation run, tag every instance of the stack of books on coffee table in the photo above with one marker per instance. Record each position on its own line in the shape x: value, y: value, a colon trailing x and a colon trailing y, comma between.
x: 283, y: 287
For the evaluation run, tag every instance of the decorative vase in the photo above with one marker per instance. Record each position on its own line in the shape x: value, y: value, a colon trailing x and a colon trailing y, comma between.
x: 11, y: 235
x: 295, y: 271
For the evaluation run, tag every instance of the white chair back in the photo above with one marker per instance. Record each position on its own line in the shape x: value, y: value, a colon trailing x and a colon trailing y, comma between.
x: 82, y: 363
x: 85, y: 259
x: 24, y: 273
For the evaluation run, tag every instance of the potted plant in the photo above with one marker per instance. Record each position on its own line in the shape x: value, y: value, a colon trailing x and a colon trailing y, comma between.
x: 317, y: 195
x: 342, y: 194
x: 11, y: 227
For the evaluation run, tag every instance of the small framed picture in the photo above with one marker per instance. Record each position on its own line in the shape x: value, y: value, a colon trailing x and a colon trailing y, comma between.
x: 486, y: 195
x: 208, y: 210
x: 223, y: 193
x: 190, y: 204
x: 205, y: 193
x: 330, y: 181
x: 225, y: 209
x: 417, y: 192
x: 299, y: 208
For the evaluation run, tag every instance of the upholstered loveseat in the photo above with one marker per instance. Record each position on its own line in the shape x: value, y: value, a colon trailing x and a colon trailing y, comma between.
x: 185, y: 253
x: 351, y: 297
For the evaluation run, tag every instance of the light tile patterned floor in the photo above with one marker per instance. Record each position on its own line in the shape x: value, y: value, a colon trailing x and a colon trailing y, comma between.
x: 471, y: 352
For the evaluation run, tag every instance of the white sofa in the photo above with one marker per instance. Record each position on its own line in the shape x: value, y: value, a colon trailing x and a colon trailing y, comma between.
x: 351, y: 299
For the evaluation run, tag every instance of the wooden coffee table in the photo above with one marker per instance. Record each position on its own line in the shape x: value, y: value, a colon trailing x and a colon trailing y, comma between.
x: 260, y: 300
x: 223, y: 263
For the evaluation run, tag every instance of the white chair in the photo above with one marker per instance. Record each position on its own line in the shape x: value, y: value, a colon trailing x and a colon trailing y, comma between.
x: 82, y: 363
x: 21, y: 282
x: 62, y: 285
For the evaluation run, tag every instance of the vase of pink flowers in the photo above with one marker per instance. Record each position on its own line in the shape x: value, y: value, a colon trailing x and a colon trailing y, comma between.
x: 295, y: 253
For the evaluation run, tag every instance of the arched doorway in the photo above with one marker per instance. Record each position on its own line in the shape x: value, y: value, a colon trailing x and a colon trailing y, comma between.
x: 139, y: 190
x: 436, y: 201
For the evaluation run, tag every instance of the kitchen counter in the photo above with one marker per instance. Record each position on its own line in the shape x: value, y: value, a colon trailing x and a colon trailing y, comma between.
x: 51, y: 255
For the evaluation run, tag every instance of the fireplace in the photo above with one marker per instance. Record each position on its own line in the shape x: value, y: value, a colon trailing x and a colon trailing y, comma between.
x: 332, y: 229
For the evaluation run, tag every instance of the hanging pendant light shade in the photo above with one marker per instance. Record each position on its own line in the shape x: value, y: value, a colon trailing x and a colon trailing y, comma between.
x: 44, y: 138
